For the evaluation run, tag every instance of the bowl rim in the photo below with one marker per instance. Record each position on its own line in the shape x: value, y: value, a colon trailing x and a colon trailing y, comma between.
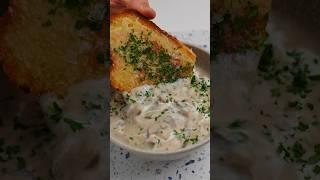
x: 179, y: 151
x: 149, y: 152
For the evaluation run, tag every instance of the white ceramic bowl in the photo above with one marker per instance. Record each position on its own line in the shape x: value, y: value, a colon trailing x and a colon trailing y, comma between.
x: 203, y: 68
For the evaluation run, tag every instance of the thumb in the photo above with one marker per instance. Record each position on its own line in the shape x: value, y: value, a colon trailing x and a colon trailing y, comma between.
x: 147, y: 11
x: 143, y: 8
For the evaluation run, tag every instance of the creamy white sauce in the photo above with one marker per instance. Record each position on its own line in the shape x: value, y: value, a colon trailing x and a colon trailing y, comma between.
x: 85, y: 104
x: 58, y: 152
x: 251, y: 150
x: 165, y: 117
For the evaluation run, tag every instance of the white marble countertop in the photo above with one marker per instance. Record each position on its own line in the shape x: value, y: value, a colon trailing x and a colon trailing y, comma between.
x: 126, y: 166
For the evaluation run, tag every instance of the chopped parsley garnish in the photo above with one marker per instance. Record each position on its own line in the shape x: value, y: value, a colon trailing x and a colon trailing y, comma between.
x: 204, y: 86
x: 90, y: 105
x: 316, y: 169
x: 294, y: 77
x: 239, y: 33
x: 74, y: 125
x: 267, y: 61
x: 114, y: 110
x: 298, y: 150
x: 204, y: 109
x: 236, y: 124
x: 201, y: 84
x: 295, y: 104
x: 194, y: 140
x: 302, y: 127
x: 148, y: 93
x: 162, y: 113
x: 193, y: 81
x: 155, y: 63
x: 55, y: 112
x: 282, y: 150
x: 78, y: 8
x: 128, y: 99
x: 169, y: 98
x: 181, y: 135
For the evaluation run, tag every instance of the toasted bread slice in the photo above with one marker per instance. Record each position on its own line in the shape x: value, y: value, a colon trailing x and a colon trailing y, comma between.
x: 142, y: 53
x: 241, y: 25
x: 46, y: 47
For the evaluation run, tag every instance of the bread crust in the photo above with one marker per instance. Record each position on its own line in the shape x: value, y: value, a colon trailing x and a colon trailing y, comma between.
x: 152, y: 26
x: 116, y: 60
x: 244, y: 29
x: 31, y: 77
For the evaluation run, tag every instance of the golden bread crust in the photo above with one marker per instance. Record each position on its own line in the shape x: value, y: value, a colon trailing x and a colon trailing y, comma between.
x: 243, y: 25
x: 48, y: 58
x: 123, y: 77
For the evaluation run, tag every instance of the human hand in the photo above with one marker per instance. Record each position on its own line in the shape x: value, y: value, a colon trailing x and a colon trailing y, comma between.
x: 141, y: 6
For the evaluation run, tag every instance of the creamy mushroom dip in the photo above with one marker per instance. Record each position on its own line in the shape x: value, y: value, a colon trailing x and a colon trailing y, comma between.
x: 163, y: 117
